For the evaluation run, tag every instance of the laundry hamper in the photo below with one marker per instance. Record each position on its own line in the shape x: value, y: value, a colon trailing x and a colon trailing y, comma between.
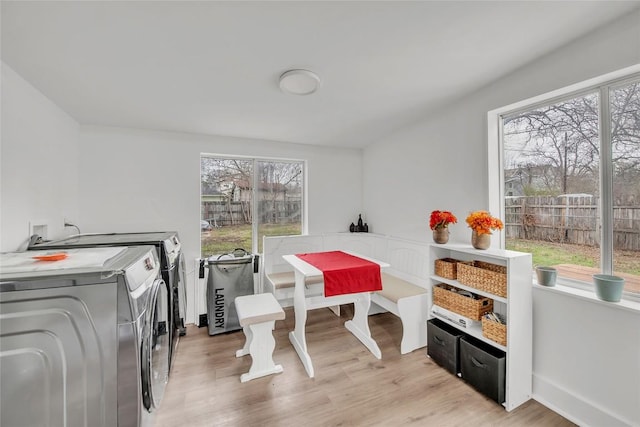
x: 230, y: 276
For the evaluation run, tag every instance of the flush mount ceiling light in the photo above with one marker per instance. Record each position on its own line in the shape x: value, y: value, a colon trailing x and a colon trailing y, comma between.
x: 299, y: 82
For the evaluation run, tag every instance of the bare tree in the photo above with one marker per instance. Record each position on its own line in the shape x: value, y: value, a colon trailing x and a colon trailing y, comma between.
x: 233, y: 178
x: 559, y: 144
x: 278, y: 180
x: 226, y: 177
x: 625, y: 133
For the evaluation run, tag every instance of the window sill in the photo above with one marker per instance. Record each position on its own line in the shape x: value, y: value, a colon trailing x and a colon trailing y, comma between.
x: 624, y: 304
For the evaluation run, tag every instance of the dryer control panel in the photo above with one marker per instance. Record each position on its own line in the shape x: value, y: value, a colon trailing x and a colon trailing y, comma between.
x: 141, y: 274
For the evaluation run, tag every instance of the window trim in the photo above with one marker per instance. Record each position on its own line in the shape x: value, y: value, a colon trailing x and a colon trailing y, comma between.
x: 495, y: 153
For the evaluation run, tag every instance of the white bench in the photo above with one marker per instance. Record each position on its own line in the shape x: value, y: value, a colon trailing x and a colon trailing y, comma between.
x: 404, y: 285
x: 257, y: 315
x: 406, y: 291
x: 277, y: 275
x: 410, y: 303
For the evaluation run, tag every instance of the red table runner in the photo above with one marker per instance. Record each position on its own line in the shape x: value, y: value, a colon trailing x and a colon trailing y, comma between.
x: 344, y: 273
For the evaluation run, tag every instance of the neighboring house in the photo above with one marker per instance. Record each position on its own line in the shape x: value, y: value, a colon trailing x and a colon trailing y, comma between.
x: 518, y: 180
x: 210, y: 194
x: 512, y: 186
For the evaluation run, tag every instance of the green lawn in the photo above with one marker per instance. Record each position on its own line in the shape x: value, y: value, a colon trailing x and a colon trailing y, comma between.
x: 548, y: 253
x: 223, y: 240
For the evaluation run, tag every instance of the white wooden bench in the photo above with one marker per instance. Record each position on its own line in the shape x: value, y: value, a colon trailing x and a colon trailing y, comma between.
x: 278, y: 277
x: 257, y: 315
x: 405, y: 290
x: 409, y: 302
x: 404, y: 285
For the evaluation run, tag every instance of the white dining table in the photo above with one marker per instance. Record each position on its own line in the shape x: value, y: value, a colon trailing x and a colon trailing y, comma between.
x: 358, y: 326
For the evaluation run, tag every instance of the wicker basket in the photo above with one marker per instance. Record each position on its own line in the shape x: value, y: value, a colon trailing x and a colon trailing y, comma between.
x: 494, y: 331
x: 446, y: 267
x: 484, y: 276
x: 446, y: 296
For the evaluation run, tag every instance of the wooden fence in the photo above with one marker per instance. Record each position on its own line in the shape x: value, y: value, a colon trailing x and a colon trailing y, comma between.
x: 220, y: 214
x: 569, y: 219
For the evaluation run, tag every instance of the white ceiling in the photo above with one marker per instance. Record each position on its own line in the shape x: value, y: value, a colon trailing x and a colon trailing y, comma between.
x: 213, y: 67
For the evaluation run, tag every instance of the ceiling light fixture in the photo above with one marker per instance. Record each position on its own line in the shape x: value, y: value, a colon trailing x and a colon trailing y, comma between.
x: 299, y: 82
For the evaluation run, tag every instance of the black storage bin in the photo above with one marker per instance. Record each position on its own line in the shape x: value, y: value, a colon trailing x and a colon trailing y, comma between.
x: 443, y: 345
x: 483, y: 366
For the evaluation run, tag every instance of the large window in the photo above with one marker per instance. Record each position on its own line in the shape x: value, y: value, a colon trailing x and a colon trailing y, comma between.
x: 571, y: 181
x: 244, y: 199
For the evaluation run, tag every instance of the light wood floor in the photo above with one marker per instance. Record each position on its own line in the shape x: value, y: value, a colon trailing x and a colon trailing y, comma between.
x: 351, y: 387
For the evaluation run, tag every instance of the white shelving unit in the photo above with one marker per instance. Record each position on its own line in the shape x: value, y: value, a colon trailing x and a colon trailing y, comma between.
x: 517, y: 307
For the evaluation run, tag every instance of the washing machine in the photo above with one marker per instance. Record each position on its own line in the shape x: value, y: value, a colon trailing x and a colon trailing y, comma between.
x: 83, y: 337
x: 172, y: 266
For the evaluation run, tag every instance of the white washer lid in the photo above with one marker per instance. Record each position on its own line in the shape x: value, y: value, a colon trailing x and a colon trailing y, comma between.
x: 24, y: 262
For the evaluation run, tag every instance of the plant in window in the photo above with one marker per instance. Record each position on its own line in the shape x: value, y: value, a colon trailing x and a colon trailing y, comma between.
x: 482, y: 222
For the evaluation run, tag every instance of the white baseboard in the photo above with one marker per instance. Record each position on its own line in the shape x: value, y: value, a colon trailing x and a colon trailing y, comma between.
x: 573, y: 407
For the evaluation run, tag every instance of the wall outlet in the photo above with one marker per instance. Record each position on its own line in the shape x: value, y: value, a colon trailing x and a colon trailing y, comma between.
x: 41, y: 228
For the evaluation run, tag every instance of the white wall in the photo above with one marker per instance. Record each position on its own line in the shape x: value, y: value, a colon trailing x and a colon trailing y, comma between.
x: 133, y: 180
x: 437, y: 164
x: 441, y: 163
x: 39, y: 169
x: 586, y: 358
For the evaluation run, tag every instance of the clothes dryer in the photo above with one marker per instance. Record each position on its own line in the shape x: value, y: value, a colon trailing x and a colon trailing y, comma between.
x: 83, y: 337
x: 172, y: 266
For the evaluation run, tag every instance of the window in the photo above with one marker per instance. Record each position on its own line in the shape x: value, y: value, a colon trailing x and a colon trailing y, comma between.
x: 569, y: 188
x: 244, y: 199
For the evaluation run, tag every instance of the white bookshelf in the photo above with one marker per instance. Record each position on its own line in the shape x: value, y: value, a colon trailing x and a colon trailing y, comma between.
x: 517, y: 307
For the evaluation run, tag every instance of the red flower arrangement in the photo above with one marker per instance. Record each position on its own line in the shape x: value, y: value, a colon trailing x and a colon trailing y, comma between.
x: 441, y: 219
x: 482, y: 222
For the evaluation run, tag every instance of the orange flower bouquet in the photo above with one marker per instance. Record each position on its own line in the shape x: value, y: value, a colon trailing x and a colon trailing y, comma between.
x: 482, y: 222
x: 441, y: 219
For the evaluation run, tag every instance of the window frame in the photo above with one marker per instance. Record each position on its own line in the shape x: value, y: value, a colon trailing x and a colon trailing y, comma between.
x: 255, y: 181
x: 495, y: 150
